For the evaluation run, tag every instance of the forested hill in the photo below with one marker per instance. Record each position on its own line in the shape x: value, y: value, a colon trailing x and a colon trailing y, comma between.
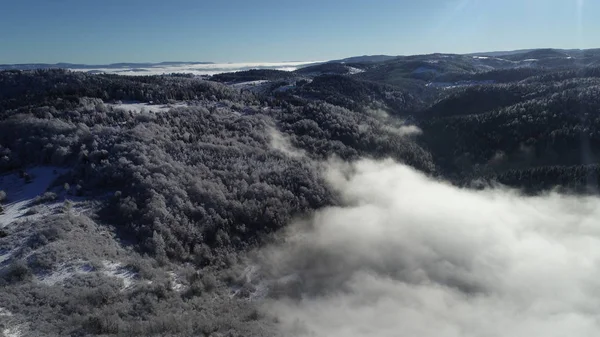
x: 179, y: 175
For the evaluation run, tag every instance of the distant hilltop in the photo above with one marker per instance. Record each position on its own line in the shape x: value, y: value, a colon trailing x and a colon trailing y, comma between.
x: 514, y: 55
x: 29, y: 66
x: 422, y: 66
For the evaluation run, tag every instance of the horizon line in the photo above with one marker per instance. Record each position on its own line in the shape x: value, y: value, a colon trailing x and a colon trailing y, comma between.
x: 296, y: 61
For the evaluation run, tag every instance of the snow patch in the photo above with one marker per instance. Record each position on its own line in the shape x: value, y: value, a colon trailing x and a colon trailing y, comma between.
x: 20, y: 194
x: 353, y: 71
x: 176, y: 284
x: 146, y: 107
x: 64, y: 272
x: 70, y: 269
x: 14, y: 331
x: 116, y: 269
x: 10, y: 328
x: 451, y: 85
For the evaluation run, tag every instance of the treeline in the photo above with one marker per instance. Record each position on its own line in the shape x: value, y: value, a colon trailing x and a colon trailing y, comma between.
x: 356, y: 94
x: 63, y: 89
x: 330, y: 68
x: 568, y: 179
x: 475, y: 100
x: 253, y: 75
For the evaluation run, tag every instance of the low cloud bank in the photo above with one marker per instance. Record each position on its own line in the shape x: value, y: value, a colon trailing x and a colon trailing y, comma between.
x: 199, y: 69
x: 411, y: 256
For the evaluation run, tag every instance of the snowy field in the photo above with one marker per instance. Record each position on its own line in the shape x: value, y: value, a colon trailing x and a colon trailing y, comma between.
x: 198, y: 69
x: 20, y: 195
x: 145, y: 107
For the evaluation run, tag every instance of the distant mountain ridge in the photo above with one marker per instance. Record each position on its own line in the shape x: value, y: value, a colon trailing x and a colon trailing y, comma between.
x: 62, y: 65
x: 366, y: 59
x: 501, y: 52
x: 506, y: 53
x: 425, y: 65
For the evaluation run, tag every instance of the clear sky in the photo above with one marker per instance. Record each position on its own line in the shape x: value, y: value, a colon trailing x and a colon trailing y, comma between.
x: 107, y: 31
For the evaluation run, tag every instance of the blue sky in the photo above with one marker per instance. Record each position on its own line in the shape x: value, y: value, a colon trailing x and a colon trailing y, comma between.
x: 107, y: 31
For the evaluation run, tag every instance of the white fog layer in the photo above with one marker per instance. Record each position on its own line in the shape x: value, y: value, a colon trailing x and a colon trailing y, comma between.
x: 197, y: 69
x: 411, y: 256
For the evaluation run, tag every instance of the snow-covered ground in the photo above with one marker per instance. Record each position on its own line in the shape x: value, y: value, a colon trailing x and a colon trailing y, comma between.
x: 5, y: 313
x: 450, y: 85
x: 146, y: 107
x: 176, y: 284
x: 21, y: 194
x: 200, y: 69
x: 352, y: 70
x: 117, y: 270
x: 67, y: 270
x: 9, y: 327
x: 12, y: 331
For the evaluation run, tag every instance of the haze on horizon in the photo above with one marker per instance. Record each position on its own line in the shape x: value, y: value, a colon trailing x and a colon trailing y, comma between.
x: 38, y: 31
